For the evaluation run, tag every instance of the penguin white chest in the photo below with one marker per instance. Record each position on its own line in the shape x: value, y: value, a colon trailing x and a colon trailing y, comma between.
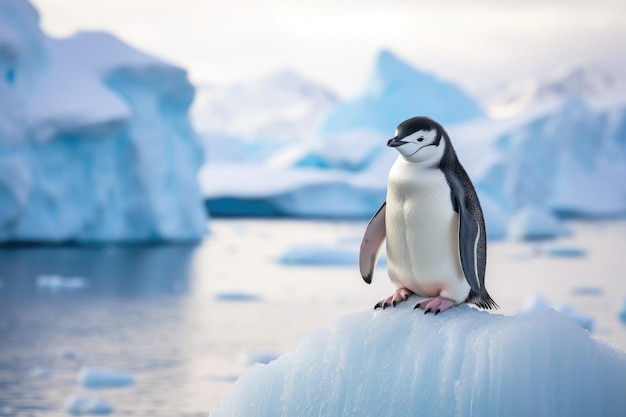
x: 423, y: 233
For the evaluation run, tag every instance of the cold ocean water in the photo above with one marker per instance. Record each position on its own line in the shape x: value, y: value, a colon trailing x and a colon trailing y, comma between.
x: 185, y: 321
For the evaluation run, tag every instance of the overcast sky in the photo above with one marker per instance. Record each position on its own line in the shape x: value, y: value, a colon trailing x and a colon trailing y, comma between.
x: 476, y: 43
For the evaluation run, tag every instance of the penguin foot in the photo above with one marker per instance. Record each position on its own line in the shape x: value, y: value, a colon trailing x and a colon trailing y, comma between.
x: 436, y: 305
x: 397, y: 297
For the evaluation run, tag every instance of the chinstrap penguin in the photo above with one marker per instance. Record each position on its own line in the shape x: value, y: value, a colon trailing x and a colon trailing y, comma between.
x: 433, y: 224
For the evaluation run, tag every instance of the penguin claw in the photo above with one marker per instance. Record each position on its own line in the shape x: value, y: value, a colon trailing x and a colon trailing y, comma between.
x: 418, y: 305
x: 428, y: 311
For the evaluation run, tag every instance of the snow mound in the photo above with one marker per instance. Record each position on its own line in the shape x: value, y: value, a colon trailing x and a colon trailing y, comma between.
x: 95, y: 139
x: 395, y: 92
x: 463, y: 362
x: 532, y: 223
x: 104, y: 378
x: 80, y: 406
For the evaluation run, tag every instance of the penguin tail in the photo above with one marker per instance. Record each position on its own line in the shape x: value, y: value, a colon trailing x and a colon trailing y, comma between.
x: 483, y: 300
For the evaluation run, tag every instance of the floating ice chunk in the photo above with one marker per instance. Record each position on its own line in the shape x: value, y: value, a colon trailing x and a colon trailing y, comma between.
x: 229, y: 379
x: 532, y: 223
x: 622, y: 310
x: 318, y: 255
x: 257, y: 356
x: 588, y: 290
x: 41, y: 372
x: 563, y: 252
x: 461, y: 363
x: 60, y: 283
x: 237, y: 296
x: 67, y: 353
x: 534, y: 304
x: 537, y: 303
x: 79, y: 406
x: 104, y: 378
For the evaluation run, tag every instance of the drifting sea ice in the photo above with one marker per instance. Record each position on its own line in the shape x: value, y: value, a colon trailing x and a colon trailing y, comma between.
x: 60, y: 283
x: 622, y: 311
x: 78, y: 406
x: 462, y: 362
x: 537, y: 303
x: 104, y: 378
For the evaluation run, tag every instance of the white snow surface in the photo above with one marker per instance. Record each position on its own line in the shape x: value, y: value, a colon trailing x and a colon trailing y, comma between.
x: 95, y: 139
x: 462, y: 362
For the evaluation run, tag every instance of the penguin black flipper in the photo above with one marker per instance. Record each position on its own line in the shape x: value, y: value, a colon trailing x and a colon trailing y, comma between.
x: 370, y: 245
x: 472, y: 239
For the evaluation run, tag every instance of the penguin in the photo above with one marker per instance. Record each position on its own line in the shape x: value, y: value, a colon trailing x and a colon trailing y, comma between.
x: 432, y: 222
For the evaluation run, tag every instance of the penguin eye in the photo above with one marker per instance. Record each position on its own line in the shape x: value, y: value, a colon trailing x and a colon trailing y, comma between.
x: 420, y: 139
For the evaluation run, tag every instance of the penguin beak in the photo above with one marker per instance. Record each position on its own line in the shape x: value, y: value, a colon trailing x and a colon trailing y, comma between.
x: 395, y: 142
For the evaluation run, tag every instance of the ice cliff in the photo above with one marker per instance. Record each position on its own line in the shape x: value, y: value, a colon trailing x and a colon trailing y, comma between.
x: 95, y: 141
x: 460, y: 363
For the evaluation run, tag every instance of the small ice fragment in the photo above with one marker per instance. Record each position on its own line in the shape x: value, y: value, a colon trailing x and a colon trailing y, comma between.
x: 588, y: 290
x: 67, y: 353
x: 104, y: 378
x: 223, y: 378
x: 41, y: 372
x: 60, y: 283
x: 237, y: 297
x: 563, y: 252
x: 79, y: 406
x: 535, y: 303
x: 257, y: 356
x: 318, y: 255
x: 622, y: 311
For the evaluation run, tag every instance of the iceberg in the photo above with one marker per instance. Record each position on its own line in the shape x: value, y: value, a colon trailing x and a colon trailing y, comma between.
x: 464, y: 362
x: 95, y: 139
x: 534, y: 223
x: 250, y: 121
x: 396, y: 91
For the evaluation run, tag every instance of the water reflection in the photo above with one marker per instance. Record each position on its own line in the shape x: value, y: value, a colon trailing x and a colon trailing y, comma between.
x: 113, y: 271
x: 129, y: 315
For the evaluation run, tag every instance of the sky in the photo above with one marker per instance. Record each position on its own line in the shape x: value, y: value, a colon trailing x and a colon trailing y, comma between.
x: 480, y: 44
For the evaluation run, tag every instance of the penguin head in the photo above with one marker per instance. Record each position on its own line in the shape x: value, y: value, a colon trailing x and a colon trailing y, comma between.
x: 418, y: 139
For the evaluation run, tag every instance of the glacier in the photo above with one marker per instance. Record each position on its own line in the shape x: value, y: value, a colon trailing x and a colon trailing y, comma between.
x: 95, y: 139
x: 560, y: 151
x: 463, y: 362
